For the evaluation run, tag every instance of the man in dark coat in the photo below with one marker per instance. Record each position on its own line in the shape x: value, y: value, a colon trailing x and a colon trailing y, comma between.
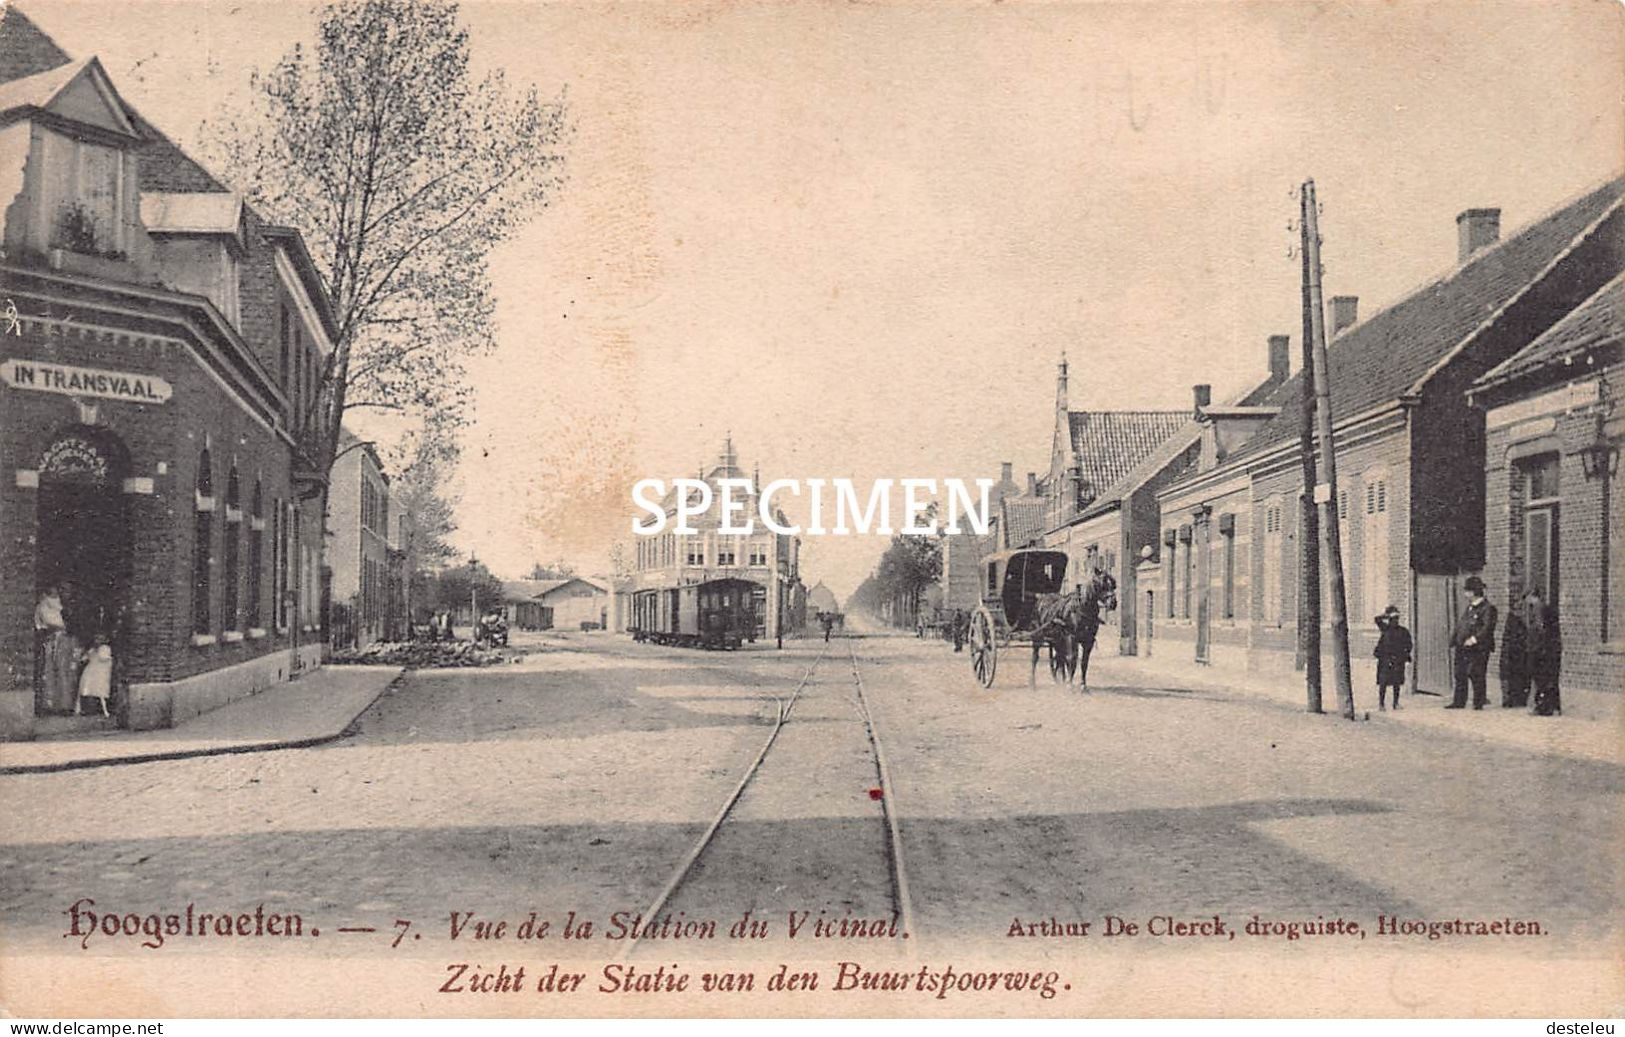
x: 1545, y: 655
x: 1515, y: 652
x: 1473, y: 640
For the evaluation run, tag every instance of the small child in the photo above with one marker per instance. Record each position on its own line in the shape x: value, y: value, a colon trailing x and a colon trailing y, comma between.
x: 1393, y: 652
x: 96, y: 679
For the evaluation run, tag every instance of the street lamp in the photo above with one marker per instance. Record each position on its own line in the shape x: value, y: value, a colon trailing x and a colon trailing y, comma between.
x: 1600, y: 457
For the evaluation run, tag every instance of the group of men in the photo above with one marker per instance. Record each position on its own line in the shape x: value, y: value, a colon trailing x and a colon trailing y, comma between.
x: 1531, y: 657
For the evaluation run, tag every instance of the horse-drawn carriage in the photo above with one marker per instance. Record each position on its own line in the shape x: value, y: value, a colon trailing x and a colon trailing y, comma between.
x: 1024, y: 603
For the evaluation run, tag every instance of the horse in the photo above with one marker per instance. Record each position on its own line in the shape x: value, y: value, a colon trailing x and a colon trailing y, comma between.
x: 1069, y: 622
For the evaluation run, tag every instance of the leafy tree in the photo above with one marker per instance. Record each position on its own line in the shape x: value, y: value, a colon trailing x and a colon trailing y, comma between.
x: 403, y: 172
x: 453, y: 585
x: 420, y: 490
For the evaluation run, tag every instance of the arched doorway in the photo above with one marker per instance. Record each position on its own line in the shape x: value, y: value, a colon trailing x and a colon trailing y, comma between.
x: 83, y: 543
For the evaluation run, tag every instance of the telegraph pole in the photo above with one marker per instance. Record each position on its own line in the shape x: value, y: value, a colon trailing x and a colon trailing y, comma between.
x: 1326, y: 492
x: 1308, y: 522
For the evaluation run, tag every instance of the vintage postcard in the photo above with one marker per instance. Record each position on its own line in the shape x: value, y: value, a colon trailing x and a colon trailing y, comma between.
x: 642, y: 509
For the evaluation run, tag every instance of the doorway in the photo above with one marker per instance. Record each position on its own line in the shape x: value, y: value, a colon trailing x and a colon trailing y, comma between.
x: 82, y: 540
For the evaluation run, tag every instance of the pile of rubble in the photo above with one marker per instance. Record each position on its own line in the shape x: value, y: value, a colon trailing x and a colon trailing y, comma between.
x: 420, y: 654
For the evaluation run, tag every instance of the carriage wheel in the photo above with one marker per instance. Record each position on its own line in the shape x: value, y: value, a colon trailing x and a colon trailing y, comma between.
x: 984, y: 649
x: 1060, y: 663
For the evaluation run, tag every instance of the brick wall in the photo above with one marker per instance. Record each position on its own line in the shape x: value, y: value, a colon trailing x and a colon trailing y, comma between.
x: 1593, y: 652
x: 164, y: 444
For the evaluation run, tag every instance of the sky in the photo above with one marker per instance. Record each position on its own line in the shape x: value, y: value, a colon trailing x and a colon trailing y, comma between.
x: 858, y: 237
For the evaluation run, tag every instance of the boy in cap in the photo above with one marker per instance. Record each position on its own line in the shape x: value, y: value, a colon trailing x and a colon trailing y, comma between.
x: 1393, y: 652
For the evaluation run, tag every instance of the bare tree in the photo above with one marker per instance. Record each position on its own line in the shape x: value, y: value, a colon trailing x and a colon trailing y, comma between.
x: 403, y: 172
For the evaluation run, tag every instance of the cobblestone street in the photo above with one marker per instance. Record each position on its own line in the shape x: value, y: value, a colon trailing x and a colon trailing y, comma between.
x: 577, y: 779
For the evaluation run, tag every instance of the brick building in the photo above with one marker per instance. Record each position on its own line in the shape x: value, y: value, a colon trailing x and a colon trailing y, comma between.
x: 1410, y: 457
x: 157, y: 352
x: 365, y: 585
x: 1554, y: 511
x: 1107, y: 466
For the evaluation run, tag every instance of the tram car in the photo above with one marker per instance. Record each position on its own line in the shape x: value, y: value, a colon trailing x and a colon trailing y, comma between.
x: 719, y: 614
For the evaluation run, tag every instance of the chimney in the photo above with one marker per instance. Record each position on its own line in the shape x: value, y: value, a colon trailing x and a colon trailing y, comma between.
x: 1345, y: 312
x: 1280, y: 358
x: 1006, y: 476
x: 1202, y: 395
x: 1475, y: 229
x: 1032, y: 484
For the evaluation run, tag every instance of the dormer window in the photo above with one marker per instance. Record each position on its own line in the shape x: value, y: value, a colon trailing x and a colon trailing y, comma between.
x: 84, y: 194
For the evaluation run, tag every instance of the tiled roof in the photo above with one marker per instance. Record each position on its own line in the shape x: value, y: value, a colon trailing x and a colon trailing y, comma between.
x: 1024, y: 520
x: 1111, y: 442
x: 525, y: 590
x: 24, y: 49
x: 1599, y: 321
x: 1382, y: 358
x: 165, y: 167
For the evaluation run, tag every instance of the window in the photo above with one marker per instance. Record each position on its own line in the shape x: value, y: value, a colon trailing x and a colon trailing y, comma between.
x: 1188, y: 572
x: 1374, y: 551
x: 1271, y: 546
x: 1613, y: 611
x: 234, y: 532
x: 758, y: 553
x: 1170, y: 542
x: 203, y: 547
x: 1351, y: 601
x: 277, y: 562
x: 696, y: 551
x: 725, y: 552
x: 256, y: 534
x: 298, y: 375
x: 283, y: 338
x: 87, y: 191
x: 1227, y: 531
x: 1540, y: 477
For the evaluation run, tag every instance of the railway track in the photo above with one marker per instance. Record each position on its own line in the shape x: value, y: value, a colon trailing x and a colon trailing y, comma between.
x: 784, y: 708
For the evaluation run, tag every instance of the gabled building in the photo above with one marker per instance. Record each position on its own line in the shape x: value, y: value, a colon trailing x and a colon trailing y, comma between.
x: 1223, y: 579
x: 1554, y: 509
x: 1137, y: 454
x: 151, y: 468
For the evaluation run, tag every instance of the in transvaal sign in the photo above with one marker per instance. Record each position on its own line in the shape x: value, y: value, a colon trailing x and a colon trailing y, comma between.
x: 84, y: 381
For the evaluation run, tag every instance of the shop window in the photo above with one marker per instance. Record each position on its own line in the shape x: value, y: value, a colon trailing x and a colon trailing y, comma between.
x: 256, y: 552
x: 203, y: 547
x: 234, y: 534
